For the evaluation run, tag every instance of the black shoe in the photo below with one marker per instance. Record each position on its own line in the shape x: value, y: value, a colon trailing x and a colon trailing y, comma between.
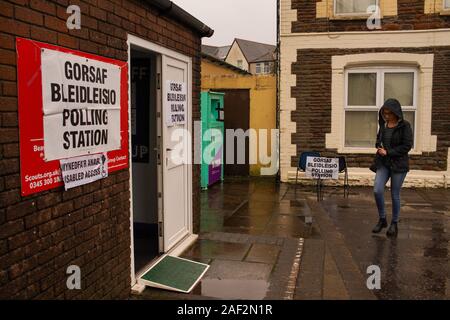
x: 380, y: 225
x: 393, y: 230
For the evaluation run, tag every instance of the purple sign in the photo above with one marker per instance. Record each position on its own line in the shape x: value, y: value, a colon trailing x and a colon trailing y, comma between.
x: 215, y: 168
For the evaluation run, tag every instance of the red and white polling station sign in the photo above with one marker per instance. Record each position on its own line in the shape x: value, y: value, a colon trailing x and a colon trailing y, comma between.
x: 71, y: 104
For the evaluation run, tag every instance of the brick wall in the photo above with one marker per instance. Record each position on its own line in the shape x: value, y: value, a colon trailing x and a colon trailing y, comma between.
x: 410, y: 17
x: 42, y: 234
x: 313, y: 105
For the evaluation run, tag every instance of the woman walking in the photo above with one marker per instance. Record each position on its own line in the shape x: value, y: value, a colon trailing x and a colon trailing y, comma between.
x: 394, y: 141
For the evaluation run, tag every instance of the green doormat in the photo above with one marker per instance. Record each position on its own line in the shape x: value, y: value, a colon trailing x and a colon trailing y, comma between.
x: 173, y: 273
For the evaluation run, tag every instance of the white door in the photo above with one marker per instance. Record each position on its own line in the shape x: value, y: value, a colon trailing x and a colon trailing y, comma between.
x: 175, y: 149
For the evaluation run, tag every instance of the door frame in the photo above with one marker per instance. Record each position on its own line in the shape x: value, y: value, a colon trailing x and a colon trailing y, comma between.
x: 147, y: 45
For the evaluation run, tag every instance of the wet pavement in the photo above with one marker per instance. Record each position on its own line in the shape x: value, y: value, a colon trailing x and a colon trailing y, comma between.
x: 265, y: 240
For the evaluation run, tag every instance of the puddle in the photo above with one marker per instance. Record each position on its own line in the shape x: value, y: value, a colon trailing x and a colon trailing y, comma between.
x: 232, y: 289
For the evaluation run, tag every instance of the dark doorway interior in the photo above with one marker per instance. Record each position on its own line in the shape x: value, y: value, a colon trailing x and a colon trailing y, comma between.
x: 237, y: 116
x: 144, y: 157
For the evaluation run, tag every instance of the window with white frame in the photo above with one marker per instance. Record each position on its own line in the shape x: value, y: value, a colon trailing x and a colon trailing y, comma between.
x: 240, y: 64
x: 266, y: 67
x: 366, y: 90
x: 446, y: 4
x: 258, y: 68
x: 346, y: 7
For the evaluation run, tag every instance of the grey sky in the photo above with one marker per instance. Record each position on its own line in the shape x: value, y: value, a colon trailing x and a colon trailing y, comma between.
x: 254, y: 20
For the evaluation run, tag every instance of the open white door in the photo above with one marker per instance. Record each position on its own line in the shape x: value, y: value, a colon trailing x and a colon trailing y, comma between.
x: 176, y: 174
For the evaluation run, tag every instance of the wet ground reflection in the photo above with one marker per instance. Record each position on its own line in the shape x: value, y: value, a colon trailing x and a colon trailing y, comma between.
x: 233, y: 289
x: 245, y: 224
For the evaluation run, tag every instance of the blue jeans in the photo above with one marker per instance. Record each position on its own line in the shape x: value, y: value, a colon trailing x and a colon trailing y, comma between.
x: 381, y: 178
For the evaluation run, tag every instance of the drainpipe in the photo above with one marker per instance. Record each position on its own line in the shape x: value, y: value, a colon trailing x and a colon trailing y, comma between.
x: 170, y: 9
x: 278, y: 75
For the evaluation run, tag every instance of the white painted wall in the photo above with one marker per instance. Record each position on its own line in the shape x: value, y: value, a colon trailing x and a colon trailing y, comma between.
x: 236, y: 54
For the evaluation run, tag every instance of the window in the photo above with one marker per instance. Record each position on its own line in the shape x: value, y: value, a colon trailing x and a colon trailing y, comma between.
x: 353, y: 6
x: 344, y: 138
x: 263, y: 68
x: 367, y: 89
x: 258, y: 68
x: 446, y: 4
x: 240, y: 64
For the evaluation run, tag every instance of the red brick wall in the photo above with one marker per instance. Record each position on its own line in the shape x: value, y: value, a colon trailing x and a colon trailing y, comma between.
x: 313, y: 112
x: 411, y: 16
x: 41, y: 235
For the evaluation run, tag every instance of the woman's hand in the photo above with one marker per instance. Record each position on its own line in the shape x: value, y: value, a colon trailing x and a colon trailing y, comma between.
x: 382, y: 152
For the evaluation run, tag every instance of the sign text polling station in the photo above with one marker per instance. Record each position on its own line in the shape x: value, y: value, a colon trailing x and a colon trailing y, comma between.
x: 175, y: 103
x: 81, y: 102
x: 322, y: 168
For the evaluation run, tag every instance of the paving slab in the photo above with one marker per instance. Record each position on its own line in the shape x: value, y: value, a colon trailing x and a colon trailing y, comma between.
x: 238, y: 270
x: 217, y: 250
x: 263, y: 253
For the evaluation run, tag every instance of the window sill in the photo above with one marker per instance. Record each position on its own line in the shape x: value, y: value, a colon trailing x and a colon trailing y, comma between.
x: 350, y: 17
x: 371, y: 151
x: 445, y: 12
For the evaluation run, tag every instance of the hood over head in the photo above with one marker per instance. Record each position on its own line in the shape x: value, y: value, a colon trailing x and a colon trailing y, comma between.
x: 394, y: 106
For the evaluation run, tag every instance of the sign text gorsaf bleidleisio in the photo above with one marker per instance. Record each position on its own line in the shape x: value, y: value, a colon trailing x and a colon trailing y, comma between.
x: 176, y: 98
x: 81, y: 102
x: 322, y: 168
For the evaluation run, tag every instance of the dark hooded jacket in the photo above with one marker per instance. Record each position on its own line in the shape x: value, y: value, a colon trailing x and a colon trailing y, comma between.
x: 401, y: 142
